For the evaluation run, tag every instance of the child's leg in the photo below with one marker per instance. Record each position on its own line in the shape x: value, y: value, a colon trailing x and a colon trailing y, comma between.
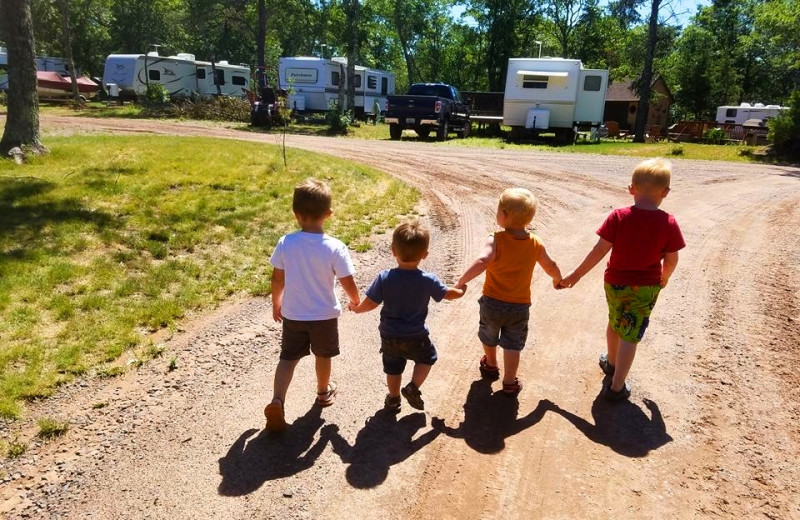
x: 394, y: 382
x: 491, y: 355
x: 625, y: 355
x: 421, y: 371
x: 283, y: 377
x: 323, y: 368
x: 510, y: 365
x: 612, y: 343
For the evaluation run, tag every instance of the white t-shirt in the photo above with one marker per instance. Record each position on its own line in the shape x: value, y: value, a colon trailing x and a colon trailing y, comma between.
x: 312, y: 263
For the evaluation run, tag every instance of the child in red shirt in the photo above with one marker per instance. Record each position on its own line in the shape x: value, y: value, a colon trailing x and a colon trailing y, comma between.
x: 644, y: 242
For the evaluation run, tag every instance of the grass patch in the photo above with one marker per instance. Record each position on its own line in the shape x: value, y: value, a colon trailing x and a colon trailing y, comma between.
x: 111, y: 238
x: 51, y: 428
x: 100, y: 405
x: 16, y: 449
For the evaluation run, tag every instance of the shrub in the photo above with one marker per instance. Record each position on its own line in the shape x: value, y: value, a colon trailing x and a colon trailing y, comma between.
x: 714, y: 136
x: 50, y: 428
x: 676, y: 150
x: 784, y: 130
x: 745, y: 152
x: 338, y: 120
x: 157, y: 94
x: 219, y: 108
x: 3, y: 99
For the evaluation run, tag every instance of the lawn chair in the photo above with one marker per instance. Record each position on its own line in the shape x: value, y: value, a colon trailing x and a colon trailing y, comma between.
x: 613, y: 129
x: 655, y: 133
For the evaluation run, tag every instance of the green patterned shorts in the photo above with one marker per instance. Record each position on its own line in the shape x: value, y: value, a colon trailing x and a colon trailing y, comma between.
x: 629, y: 309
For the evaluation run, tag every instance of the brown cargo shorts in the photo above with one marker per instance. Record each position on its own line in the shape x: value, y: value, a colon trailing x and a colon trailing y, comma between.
x: 301, y: 338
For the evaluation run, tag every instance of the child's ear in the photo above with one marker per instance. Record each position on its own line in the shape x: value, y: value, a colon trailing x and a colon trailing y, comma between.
x: 631, y: 189
x: 665, y: 192
x: 424, y: 255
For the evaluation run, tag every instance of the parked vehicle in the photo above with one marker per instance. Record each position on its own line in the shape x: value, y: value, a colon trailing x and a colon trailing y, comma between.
x: 734, y: 114
x: 52, y: 79
x: 317, y: 84
x: 553, y: 94
x: 428, y: 107
x: 126, y: 76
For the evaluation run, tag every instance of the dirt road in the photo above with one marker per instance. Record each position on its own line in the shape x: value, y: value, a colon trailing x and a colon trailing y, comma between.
x: 712, y: 429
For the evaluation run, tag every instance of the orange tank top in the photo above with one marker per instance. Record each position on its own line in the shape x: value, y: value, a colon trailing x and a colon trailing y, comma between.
x: 508, y: 277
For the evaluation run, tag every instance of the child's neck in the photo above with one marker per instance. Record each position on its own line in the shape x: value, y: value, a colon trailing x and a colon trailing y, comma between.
x: 646, y: 203
x: 312, y: 229
x: 408, y: 266
x: 517, y: 232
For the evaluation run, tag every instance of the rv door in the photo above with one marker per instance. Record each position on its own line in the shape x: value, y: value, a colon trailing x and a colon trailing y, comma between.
x: 591, y: 96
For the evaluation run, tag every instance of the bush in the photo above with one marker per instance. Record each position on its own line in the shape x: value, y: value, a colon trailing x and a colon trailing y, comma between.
x: 745, y: 152
x: 219, y: 108
x: 784, y: 130
x: 3, y: 99
x: 676, y: 150
x: 157, y: 94
x: 714, y: 136
x: 338, y: 120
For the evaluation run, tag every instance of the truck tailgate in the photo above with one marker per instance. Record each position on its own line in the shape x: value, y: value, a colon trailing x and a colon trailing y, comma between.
x: 412, y: 107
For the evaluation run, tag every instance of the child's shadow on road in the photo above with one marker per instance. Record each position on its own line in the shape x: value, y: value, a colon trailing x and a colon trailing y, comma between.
x: 490, y: 418
x: 383, y: 442
x: 248, y: 464
x: 623, y: 426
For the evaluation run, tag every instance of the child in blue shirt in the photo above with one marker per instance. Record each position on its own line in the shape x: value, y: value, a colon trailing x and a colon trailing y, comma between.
x: 405, y: 292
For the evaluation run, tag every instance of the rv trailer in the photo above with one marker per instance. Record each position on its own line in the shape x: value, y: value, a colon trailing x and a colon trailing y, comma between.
x: 126, y: 76
x: 371, y: 85
x: 739, y: 114
x: 553, y: 94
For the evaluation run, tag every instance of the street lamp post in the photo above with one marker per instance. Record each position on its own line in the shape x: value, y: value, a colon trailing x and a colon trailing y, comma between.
x: 537, y: 42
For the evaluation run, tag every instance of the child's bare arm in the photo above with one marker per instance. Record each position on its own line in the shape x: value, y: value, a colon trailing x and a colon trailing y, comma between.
x: 278, y: 284
x: 454, y: 294
x: 350, y: 289
x: 670, y: 263
x: 550, y: 267
x: 366, y: 305
x: 600, y: 249
x: 479, y: 265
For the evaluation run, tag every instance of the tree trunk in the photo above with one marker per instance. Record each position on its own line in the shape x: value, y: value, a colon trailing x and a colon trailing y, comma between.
x: 22, y: 123
x: 647, y: 75
x: 261, y: 79
x: 352, y: 53
x: 66, y: 43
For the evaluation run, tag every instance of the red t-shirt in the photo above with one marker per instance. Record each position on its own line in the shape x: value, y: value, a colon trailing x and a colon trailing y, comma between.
x: 639, y: 239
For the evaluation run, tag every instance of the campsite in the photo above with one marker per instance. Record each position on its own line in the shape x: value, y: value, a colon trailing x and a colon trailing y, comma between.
x: 144, y: 321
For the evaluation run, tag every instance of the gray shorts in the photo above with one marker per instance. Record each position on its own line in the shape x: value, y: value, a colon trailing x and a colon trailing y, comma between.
x: 300, y: 338
x: 503, y: 323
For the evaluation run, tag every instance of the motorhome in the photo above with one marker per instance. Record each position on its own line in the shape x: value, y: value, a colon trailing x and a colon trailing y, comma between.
x: 316, y: 84
x: 738, y: 114
x: 127, y: 76
x: 553, y: 94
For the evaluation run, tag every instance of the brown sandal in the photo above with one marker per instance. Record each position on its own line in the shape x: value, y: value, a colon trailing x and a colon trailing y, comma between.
x: 326, y: 398
x: 274, y: 414
x: 512, y: 389
x: 488, y: 371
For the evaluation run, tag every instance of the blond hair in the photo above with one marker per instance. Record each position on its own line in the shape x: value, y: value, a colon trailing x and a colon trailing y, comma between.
x: 519, y: 204
x: 312, y: 199
x: 410, y: 240
x: 652, y: 174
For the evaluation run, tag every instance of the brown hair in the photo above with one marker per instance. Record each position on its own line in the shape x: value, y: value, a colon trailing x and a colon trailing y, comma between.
x: 410, y: 240
x: 652, y: 174
x: 312, y: 199
x: 519, y: 204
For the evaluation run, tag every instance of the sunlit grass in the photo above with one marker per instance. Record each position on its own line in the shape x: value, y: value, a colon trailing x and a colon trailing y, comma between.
x: 109, y: 239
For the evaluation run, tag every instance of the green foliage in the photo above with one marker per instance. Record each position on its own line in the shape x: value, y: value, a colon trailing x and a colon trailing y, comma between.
x: 714, y: 136
x: 51, y: 428
x: 338, y: 120
x: 16, y: 449
x: 784, y: 130
x: 157, y: 94
x: 218, y: 108
x: 3, y: 99
x: 676, y: 150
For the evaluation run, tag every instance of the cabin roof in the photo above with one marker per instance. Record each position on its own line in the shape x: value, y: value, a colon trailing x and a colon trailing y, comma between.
x: 623, y: 90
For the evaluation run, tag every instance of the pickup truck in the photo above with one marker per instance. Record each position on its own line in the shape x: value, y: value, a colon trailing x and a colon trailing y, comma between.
x: 427, y: 107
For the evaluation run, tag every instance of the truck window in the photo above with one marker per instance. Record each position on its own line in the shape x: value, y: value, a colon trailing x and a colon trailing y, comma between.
x: 456, y: 95
x: 201, y: 73
x: 238, y: 80
x: 592, y: 83
x: 422, y: 89
x: 534, y: 81
x: 384, y: 86
x: 372, y: 82
x: 731, y: 112
x: 154, y: 75
x: 334, y: 78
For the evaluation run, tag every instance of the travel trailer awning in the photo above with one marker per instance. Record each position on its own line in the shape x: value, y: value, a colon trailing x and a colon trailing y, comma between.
x: 542, y: 73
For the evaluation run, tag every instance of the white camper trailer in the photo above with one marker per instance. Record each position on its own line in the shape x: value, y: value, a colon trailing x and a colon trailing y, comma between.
x: 316, y: 83
x: 127, y: 76
x: 744, y: 112
x: 553, y: 94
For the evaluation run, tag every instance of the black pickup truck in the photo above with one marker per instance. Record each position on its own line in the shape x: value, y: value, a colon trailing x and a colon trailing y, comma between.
x: 427, y: 107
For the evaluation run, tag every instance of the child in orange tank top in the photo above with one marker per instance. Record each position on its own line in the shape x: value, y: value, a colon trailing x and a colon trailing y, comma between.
x: 508, y: 258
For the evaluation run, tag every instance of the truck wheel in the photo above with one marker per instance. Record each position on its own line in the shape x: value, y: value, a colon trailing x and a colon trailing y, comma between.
x: 463, y: 134
x: 395, y: 131
x: 441, y: 132
x: 423, y: 132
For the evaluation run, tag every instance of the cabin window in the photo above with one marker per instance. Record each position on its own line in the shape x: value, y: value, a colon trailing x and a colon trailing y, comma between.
x: 335, y: 78
x: 201, y: 73
x: 731, y: 112
x: 239, y: 80
x: 534, y: 81
x: 372, y: 82
x: 154, y: 75
x: 384, y: 86
x: 357, y: 81
x: 592, y: 83
x: 219, y: 77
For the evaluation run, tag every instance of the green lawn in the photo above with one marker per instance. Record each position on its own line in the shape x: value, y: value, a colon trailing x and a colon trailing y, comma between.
x: 109, y: 239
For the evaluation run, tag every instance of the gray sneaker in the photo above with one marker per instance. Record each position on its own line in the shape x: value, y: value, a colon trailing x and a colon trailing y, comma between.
x: 413, y: 396
x: 608, y: 369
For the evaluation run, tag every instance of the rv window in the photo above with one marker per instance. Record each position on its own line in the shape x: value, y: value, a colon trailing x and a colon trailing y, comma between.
x: 592, y: 83
x: 731, y: 112
x: 238, y: 80
x: 357, y: 81
x: 384, y: 86
x: 335, y: 78
x: 534, y: 81
x: 219, y: 77
x: 201, y: 73
x: 154, y: 75
x: 372, y: 82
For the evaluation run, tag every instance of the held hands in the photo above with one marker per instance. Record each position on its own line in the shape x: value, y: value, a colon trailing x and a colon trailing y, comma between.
x: 567, y: 282
x: 353, y: 306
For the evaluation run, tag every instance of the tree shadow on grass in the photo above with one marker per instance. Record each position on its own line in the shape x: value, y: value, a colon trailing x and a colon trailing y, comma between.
x: 490, y: 418
x: 269, y: 456
x: 622, y: 426
x: 383, y: 442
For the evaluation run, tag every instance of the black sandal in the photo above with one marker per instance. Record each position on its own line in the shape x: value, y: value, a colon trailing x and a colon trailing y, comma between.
x: 488, y: 371
x: 512, y: 389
